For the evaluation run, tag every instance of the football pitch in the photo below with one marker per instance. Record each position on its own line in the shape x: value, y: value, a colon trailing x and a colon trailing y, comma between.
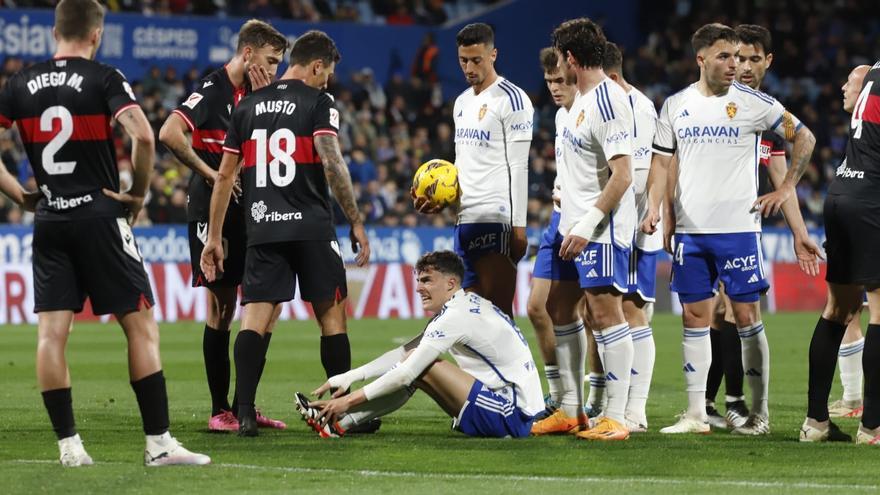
x: 415, y: 451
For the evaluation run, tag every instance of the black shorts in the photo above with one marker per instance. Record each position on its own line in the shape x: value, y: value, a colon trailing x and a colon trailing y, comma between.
x: 234, y: 247
x: 272, y: 271
x: 95, y: 258
x: 852, y: 231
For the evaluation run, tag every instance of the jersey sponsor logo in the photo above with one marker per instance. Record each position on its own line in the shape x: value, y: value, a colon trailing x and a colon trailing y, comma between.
x: 641, y: 153
x: 54, y: 80
x: 207, y: 84
x: 572, y: 140
x: 848, y: 173
x: 470, y: 136
x: 731, y: 110
x: 521, y: 126
x: 709, y: 134
x: 276, y: 106
x: 484, y: 241
x: 483, y: 110
x: 587, y: 258
x: 617, y: 137
x: 764, y: 152
x: 59, y: 203
x: 435, y: 334
x: 742, y: 263
x: 193, y: 100
x: 260, y: 213
x: 334, y: 118
x: 684, y: 114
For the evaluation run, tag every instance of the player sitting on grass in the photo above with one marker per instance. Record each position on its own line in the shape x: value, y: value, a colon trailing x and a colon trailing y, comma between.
x: 494, y: 391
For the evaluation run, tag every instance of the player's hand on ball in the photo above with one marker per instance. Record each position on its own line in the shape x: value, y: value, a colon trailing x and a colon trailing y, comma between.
x: 771, y: 203
x: 212, y: 259
x: 423, y: 205
x: 572, y: 246
x: 132, y: 203
x: 808, y: 255
x: 360, y: 244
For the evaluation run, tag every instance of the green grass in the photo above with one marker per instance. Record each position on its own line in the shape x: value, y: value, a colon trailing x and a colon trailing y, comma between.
x: 415, y: 451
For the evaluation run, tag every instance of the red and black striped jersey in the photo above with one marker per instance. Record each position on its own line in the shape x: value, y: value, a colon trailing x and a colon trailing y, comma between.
x: 859, y: 174
x: 63, y: 108
x: 284, y: 188
x: 207, y: 113
x: 771, y: 145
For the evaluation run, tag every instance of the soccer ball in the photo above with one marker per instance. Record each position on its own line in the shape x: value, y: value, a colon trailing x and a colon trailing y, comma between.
x: 437, y: 181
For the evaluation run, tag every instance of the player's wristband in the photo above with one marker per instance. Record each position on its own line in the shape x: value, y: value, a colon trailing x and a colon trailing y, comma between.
x: 587, y: 224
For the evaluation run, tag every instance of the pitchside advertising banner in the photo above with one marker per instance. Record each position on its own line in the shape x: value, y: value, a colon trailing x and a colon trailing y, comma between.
x: 383, y: 289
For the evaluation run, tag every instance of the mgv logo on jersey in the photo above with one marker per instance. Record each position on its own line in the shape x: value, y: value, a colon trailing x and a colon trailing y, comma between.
x: 260, y: 213
x: 742, y: 263
x: 484, y: 241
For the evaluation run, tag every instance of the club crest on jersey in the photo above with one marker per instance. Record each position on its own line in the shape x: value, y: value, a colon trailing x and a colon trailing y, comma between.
x: 731, y: 110
x: 483, y: 110
x: 579, y: 119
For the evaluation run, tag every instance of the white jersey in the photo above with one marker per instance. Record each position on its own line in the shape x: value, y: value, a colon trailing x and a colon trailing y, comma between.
x: 561, y: 115
x: 485, y: 126
x: 644, y: 125
x: 717, y: 140
x: 488, y: 346
x: 599, y: 126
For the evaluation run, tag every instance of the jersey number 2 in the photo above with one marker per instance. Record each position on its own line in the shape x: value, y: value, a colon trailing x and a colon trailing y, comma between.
x: 281, y: 144
x: 47, y: 122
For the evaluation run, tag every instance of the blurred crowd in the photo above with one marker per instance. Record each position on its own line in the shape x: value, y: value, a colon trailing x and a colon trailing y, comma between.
x: 388, y: 130
x: 392, y: 12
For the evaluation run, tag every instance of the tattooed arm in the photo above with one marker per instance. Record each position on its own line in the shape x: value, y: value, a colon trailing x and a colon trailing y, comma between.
x: 143, y: 153
x: 339, y: 179
x: 173, y: 135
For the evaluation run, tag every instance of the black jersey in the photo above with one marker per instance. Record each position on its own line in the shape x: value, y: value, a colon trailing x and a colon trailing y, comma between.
x: 285, y: 192
x: 859, y: 174
x: 771, y: 145
x: 207, y: 113
x: 63, y: 108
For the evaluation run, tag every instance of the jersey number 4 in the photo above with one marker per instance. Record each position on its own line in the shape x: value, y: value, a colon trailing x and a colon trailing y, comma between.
x: 282, y: 167
x: 47, y: 123
x: 859, y: 111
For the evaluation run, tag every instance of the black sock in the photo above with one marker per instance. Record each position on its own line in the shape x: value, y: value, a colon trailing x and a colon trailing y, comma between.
x: 335, y: 354
x: 152, y: 399
x: 215, y: 347
x: 59, y: 404
x: 823, y: 361
x: 716, y: 369
x: 249, y: 353
x: 266, y: 339
x: 871, y: 367
x: 733, y: 361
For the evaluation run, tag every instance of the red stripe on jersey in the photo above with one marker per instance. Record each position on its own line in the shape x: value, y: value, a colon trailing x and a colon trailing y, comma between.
x: 5, y: 122
x: 305, y: 152
x: 85, y: 128
x: 185, y: 120
x: 872, y: 110
x: 208, y: 140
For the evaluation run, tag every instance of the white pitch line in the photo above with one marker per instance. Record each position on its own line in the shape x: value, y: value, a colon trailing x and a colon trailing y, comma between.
x: 511, y: 477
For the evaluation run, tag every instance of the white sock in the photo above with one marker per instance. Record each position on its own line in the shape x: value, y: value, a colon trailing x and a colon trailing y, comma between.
x: 375, y: 408
x: 756, y: 364
x: 849, y: 358
x: 697, y: 352
x: 616, y: 350
x: 644, y: 353
x: 554, y: 388
x: 571, y: 354
x: 597, y: 390
x: 158, y: 440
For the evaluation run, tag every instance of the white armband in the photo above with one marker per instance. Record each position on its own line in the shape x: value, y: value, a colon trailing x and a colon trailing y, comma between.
x: 585, y: 227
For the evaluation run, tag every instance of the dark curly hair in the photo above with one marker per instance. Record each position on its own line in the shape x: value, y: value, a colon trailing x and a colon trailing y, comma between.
x: 583, y: 38
x: 445, y: 262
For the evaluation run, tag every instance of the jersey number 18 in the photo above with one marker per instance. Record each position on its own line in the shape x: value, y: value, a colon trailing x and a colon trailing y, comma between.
x: 281, y: 145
